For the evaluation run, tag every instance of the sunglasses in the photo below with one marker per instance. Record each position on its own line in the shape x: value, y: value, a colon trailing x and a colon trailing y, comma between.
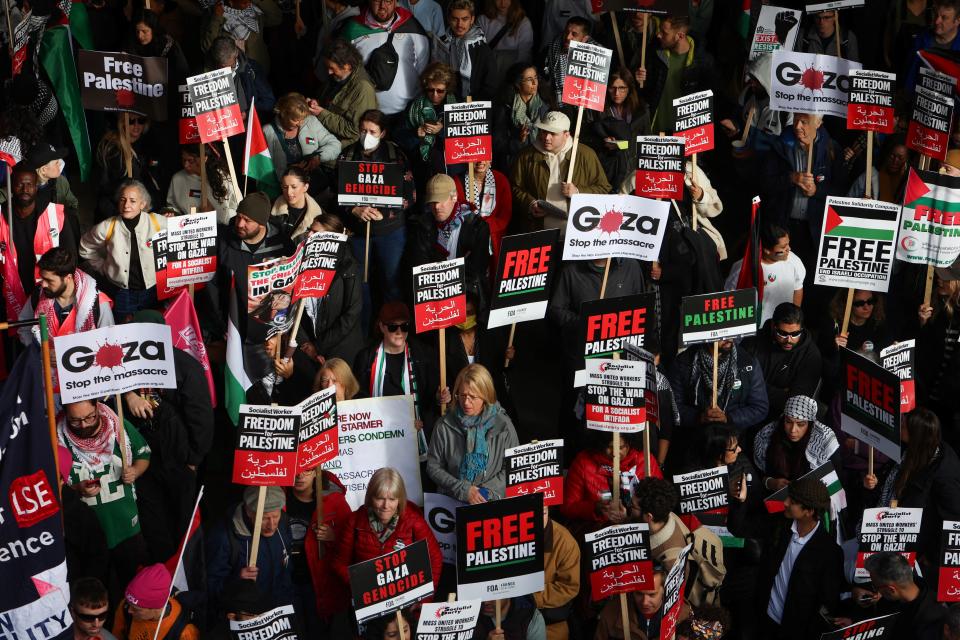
x: 393, y: 327
x: 138, y: 121
x: 90, y: 617
x: 864, y: 303
x: 789, y: 334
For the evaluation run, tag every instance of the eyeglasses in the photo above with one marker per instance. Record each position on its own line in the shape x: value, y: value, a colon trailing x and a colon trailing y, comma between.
x: 90, y: 617
x: 138, y: 121
x: 86, y: 421
x: 326, y: 382
x: 393, y: 327
x: 619, y: 89
x: 734, y: 448
x: 438, y: 91
x: 468, y: 397
x: 864, y: 303
x: 789, y: 334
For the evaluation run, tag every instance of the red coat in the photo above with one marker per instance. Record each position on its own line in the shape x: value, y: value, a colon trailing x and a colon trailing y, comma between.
x: 591, y: 473
x: 333, y: 594
x: 359, y: 542
x: 499, y: 220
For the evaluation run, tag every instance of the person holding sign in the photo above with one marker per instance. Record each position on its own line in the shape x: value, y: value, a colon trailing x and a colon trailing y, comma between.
x: 492, y: 201
x: 822, y: 35
x: 466, y: 453
x: 644, y: 616
x: 940, y: 34
x: 921, y: 616
x: 577, y: 29
x: 516, y: 621
x: 514, y: 118
x: 183, y: 194
x: 613, y: 132
x: 422, y: 133
x: 938, y: 323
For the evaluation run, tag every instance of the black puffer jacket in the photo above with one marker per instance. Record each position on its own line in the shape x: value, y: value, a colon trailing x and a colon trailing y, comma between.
x: 787, y: 373
x: 334, y: 326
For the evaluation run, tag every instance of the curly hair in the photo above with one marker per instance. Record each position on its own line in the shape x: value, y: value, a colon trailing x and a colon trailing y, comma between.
x: 655, y: 496
x: 291, y: 107
x: 438, y: 73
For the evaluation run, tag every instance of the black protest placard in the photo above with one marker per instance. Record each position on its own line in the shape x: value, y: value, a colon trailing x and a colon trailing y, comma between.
x: 391, y: 582
x: 276, y: 624
x: 948, y: 586
x: 888, y: 529
x: 318, y: 439
x: 870, y: 410
x: 266, y: 452
x: 615, y: 398
x: 693, y: 121
x: 657, y: 7
x: 660, y: 167
x: 929, y: 130
x: 439, y: 295
x: 321, y: 254
x: 651, y: 399
x: 874, y: 628
x: 719, y: 316
x: 588, y: 68
x: 123, y: 82
x: 607, y: 326
x: 214, y: 99
x: 620, y: 560
x: 187, y: 132
x: 378, y: 184
x: 935, y: 81
x: 500, y: 548
x: 525, y: 270
x: 469, y: 134
x: 703, y: 490
x: 900, y: 358
x: 870, y: 102
x: 536, y: 468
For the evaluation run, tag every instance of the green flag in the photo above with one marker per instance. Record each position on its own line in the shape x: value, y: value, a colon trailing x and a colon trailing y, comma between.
x: 56, y: 56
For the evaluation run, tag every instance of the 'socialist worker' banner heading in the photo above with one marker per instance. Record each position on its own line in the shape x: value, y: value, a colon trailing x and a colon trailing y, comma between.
x: 871, y: 403
x: 659, y: 167
x: 719, y: 316
x: 620, y: 560
x: 588, y: 69
x: 615, y: 226
x: 929, y: 130
x: 536, y: 468
x: 277, y: 624
x: 810, y: 83
x: 113, y: 360
x: 266, y: 453
x: 439, y: 295
x: 704, y: 490
x: 318, y: 439
x: 122, y: 82
x: 526, y: 267
x: 857, y: 244
x: 391, y: 582
x: 934, y: 81
x: 930, y: 219
x: 214, y: 98
x: 377, y: 184
x: 468, y: 132
x: 500, y: 548
x: 693, y: 121
x: 870, y: 107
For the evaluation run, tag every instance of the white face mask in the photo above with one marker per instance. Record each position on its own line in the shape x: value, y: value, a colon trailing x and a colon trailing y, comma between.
x: 370, y: 141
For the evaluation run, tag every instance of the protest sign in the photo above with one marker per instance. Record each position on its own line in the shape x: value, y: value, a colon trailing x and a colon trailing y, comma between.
x: 266, y: 452
x: 376, y: 184
x: 525, y: 270
x: 214, y: 98
x: 375, y: 433
x: 673, y: 586
x: 704, y: 490
x: 888, y: 529
x: 610, y: 324
x: 318, y: 439
x: 270, y: 292
x: 191, y: 249
x: 660, y: 167
x: 948, y: 589
x: 536, y: 468
x: 929, y: 220
x: 123, y: 82
x: 820, y: 7
x: 693, y: 121
x: 651, y: 401
x: 935, y: 81
x: 657, y: 7
x: 615, y: 395
x: 276, y: 624
x: 21, y: 40
x: 588, y: 69
x: 448, y: 620
x: 777, y: 28
x: 899, y: 358
x: 160, y: 257
x: 117, y: 359
x: 439, y: 295
x: 620, y: 560
x: 857, y: 244
x: 873, y: 628
x: 318, y: 265
x: 469, y: 134
x: 187, y: 127
x: 615, y: 226
x: 719, y: 316
x: 870, y: 104
x: 440, y: 511
x: 500, y: 548
x: 929, y: 130
x: 392, y: 581
x: 810, y: 83
x: 871, y: 403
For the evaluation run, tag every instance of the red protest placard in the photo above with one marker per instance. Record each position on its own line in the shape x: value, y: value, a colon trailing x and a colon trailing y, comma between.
x: 620, y: 560
x: 948, y: 586
x: 439, y: 295
x: 319, y: 264
x: 187, y: 132
x: 266, y: 453
x: 468, y: 132
x: 536, y: 468
x: 693, y: 121
x: 660, y: 167
x: 214, y: 99
x: 870, y: 102
x: 929, y: 130
x: 318, y: 440
x: 588, y: 69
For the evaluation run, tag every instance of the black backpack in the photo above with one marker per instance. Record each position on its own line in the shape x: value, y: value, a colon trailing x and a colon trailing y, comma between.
x: 382, y: 65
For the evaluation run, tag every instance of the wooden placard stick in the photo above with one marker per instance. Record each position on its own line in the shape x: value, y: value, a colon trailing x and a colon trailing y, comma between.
x: 122, y: 436
x: 606, y: 274
x: 643, y: 46
x: 868, y: 192
x: 616, y: 37
x: 126, y: 145
x: 233, y: 172
x: 513, y: 330
x: 403, y: 636
x: 749, y: 124
x: 366, y: 254
x: 836, y: 29
x: 716, y: 358
x: 846, y: 313
x: 443, y: 366
x: 576, y: 141
x: 693, y: 174
x: 255, y: 545
x: 625, y: 616
x: 204, y: 204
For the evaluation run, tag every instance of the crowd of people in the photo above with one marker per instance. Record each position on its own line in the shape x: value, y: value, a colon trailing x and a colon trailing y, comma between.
x: 367, y: 80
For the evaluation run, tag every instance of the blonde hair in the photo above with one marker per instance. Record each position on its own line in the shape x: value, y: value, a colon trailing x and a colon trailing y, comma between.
x: 387, y: 481
x: 951, y: 301
x: 344, y: 376
x: 290, y: 107
x: 117, y: 143
x: 477, y: 376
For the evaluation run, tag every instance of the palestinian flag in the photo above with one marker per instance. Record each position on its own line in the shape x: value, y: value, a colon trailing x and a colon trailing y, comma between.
x: 863, y: 226
x: 751, y: 269
x: 743, y: 20
x: 56, y: 56
x: 237, y: 381
x: 944, y: 61
x: 838, y: 497
x: 257, y: 162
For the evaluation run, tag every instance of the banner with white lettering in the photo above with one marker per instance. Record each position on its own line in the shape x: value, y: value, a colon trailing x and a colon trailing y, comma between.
x: 888, y: 529
x: 375, y: 184
x: 693, y: 121
x: 469, y: 133
x: 879, y: 627
x: 375, y: 433
x: 214, y: 98
x: 899, y: 358
x: 588, y: 69
x: 870, y: 105
x: 321, y: 253
x: 810, y: 83
x: 835, y: 5
x: 391, y: 582
x: 657, y: 7
x: 673, y: 586
x: 270, y: 292
x: 607, y: 326
x: 948, y: 584
x: 929, y: 130
x: 536, y: 468
x: 439, y: 294
x: 123, y: 82
x: 440, y: 512
x: 719, y: 316
x: 870, y: 411
x: 318, y: 439
x: 930, y: 219
x: 777, y: 28
x: 615, y: 395
x: 525, y: 270
x: 703, y: 490
x: 276, y: 624
x: 857, y: 243
x: 615, y: 226
x: 448, y: 620
x: 500, y: 548
x: 935, y: 81
x: 266, y: 452
x: 660, y: 167
x: 111, y: 360
x: 620, y: 560
x: 187, y: 132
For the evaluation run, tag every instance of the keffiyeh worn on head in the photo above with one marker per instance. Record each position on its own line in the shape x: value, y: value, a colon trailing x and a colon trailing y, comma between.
x: 801, y: 408
x: 240, y: 23
x: 477, y: 452
x: 701, y: 376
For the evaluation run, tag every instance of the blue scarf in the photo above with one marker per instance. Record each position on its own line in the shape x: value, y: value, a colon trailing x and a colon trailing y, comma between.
x: 474, y: 461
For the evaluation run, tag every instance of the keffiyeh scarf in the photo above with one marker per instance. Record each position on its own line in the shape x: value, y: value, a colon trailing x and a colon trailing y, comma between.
x: 448, y: 231
x: 422, y: 111
x: 484, y: 194
x: 95, y: 452
x: 81, y: 318
x: 701, y: 375
x: 240, y: 23
x: 460, y: 55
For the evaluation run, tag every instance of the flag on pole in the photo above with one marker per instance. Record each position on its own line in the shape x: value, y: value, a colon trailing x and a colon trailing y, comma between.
x: 182, y: 318
x: 14, y: 297
x: 56, y: 56
x: 187, y: 565
x: 257, y: 162
x: 237, y: 381
x: 751, y: 270
x: 743, y: 21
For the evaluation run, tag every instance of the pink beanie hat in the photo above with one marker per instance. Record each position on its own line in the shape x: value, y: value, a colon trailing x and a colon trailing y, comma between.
x: 150, y: 588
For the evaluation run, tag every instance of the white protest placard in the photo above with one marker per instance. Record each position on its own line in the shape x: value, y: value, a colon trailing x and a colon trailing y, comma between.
x: 448, y: 620
x: 116, y: 359
x: 835, y: 4
x: 615, y: 395
x: 615, y: 226
x: 888, y: 529
x: 375, y: 433
x: 777, y: 28
x: 440, y: 512
x: 857, y: 244
x: 810, y: 83
x: 191, y: 248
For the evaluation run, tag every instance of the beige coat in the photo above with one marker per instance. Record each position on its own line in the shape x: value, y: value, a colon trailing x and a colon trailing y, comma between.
x: 561, y: 575
x: 106, y: 247
x: 280, y: 208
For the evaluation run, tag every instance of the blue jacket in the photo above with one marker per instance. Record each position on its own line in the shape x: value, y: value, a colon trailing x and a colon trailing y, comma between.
x: 923, y: 41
